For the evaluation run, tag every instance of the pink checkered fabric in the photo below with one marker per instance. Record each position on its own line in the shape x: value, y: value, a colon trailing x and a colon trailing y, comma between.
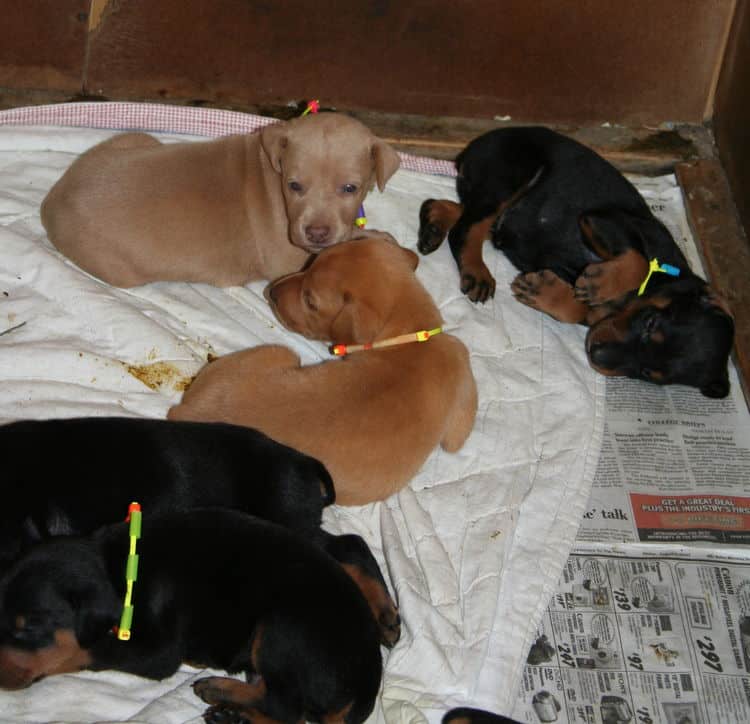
x: 155, y: 117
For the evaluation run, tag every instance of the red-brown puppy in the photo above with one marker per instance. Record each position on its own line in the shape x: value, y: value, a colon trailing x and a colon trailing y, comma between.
x: 133, y: 210
x: 373, y: 417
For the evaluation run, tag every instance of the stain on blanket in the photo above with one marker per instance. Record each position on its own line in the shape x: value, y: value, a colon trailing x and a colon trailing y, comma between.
x: 161, y: 375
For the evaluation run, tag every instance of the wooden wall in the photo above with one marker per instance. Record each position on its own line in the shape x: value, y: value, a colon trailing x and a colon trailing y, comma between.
x: 43, y: 45
x: 562, y: 62
x: 732, y: 114
x: 556, y: 61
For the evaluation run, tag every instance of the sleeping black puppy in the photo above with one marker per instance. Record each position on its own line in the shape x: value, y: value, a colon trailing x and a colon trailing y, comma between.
x: 584, y: 240
x: 215, y: 588
x: 72, y: 476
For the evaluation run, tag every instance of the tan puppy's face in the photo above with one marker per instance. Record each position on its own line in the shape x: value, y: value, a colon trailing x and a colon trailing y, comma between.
x: 346, y: 293
x: 327, y: 163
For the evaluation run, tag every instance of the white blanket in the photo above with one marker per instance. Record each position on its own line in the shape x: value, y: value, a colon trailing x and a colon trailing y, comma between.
x: 472, y: 548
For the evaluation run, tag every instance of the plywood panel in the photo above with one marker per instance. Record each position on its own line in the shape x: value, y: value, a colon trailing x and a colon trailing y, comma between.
x: 726, y: 255
x: 43, y: 44
x: 549, y: 61
x: 732, y: 116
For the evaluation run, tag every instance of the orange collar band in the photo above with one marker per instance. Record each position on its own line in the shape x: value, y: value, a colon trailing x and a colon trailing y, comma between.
x: 340, y: 350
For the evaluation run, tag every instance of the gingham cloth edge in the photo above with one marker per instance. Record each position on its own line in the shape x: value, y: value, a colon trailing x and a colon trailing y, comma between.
x: 155, y: 117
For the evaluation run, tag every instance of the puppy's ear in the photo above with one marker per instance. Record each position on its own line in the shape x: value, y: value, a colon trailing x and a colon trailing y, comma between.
x: 356, y: 323
x: 712, y: 298
x: 411, y: 257
x: 386, y: 162
x: 96, y: 608
x: 274, y: 140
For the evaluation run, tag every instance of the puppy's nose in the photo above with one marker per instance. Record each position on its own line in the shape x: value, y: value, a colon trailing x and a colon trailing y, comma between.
x: 317, y: 235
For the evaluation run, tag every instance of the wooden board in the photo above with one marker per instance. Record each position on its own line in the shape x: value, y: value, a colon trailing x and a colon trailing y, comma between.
x: 724, y: 247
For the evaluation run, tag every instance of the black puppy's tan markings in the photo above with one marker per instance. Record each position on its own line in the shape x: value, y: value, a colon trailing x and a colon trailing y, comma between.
x: 583, y: 238
x: 72, y: 476
x: 280, y: 610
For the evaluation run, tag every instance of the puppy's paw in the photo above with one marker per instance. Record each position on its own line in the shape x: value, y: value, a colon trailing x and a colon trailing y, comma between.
x: 224, y: 715
x: 211, y: 689
x: 546, y: 292
x: 606, y: 281
x: 590, y: 287
x: 477, y: 283
x: 433, y: 226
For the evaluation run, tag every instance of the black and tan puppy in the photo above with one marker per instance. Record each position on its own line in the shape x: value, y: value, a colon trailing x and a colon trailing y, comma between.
x: 216, y: 588
x: 72, y: 476
x: 583, y: 238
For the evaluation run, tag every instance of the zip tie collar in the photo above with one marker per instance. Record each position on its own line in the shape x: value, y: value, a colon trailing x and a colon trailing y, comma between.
x: 340, y: 350
x: 312, y: 107
x: 654, y: 266
x: 131, y: 572
x: 361, y: 220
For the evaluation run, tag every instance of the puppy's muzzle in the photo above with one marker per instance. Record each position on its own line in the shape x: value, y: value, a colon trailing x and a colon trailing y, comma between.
x: 318, y: 237
x: 13, y: 678
x: 606, y: 358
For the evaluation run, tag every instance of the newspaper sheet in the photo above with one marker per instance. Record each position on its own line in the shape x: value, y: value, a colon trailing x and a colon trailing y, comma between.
x: 651, y: 620
x: 674, y: 468
x: 627, y: 639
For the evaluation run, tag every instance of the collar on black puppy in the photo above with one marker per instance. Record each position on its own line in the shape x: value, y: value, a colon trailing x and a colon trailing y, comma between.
x: 654, y: 266
x: 131, y: 573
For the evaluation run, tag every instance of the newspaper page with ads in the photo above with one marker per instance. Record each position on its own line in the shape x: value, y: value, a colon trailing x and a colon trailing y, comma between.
x: 653, y: 641
x: 651, y: 621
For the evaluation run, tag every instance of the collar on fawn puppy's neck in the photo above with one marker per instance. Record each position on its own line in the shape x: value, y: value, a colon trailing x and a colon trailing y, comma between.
x: 340, y: 350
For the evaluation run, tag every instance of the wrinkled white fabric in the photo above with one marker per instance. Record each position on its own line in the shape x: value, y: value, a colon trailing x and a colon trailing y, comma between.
x: 472, y: 547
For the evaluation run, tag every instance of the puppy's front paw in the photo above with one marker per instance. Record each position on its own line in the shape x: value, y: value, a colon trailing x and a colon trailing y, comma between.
x: 477, y: 283
x: 606, y: 281
x: 545, y: 291
x: 590, y: 287
x: 224, y: 715
x: 211, y: 689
